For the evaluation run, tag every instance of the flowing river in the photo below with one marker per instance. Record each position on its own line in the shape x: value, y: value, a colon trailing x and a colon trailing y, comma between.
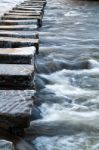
x: 67, y: 78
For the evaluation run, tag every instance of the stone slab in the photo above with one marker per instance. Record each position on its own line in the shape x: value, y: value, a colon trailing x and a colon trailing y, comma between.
x: 28, y: 9
x: 23, y: 14
x: 33, y: 4
x: 15, y: 76
x: 36, y: 5
x: 19, y: 34
x: 15, y: 108
x: 34, y: 1
x: 27, y: 1
x: 11, y: 42
x: 19, y: 22
x: 24, y: 55
x: 6, y: 145
x: 18, y: 27
x: 21, y: 17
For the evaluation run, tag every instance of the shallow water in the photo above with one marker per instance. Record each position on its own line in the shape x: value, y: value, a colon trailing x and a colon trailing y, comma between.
x: 67, y: 78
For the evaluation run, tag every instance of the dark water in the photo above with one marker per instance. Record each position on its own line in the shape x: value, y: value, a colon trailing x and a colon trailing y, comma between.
x: 67, y: 78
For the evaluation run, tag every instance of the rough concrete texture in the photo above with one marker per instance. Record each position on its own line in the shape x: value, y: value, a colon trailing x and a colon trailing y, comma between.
x: 14, y: 76
x: 24, y: 55
x: 15, y: 108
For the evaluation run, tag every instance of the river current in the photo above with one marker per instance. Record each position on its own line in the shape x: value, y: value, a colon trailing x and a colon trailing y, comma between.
x: 67, y: 79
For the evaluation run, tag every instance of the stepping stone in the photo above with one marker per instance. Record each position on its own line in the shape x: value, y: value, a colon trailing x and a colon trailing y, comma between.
x: 28, y: 9
x: 18, y: 27
x: 28, y: 12
x: 34, y: 1
x: 31, y: 1
x: 23, y: 14
x: 24, y: 55
x: 19, y: 34
x: 18, y: 22
x: 21, y: 17
x: 6, y: 145
x: 15, y: 108
x: 13, y: 76
x: 11, y: 42
x: 32, y: 4
x: 18, y: 17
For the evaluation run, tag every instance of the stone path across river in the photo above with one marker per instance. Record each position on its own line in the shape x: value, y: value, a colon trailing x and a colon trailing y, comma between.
x: 19, y: 45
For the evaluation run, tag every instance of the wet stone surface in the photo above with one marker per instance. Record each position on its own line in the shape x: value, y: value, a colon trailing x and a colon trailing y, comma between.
x: 18, y: 27
x: 21, y: 17
x: 17, y: 22
x: 18, y: 34
x: 28, y: 9
x: 6, y: 42
x: 16, y: 76
x: 6, y: 145
x: 25, y: 55
x: 15, y: 108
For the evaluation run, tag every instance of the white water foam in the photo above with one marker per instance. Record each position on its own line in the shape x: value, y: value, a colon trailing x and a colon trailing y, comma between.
x: 6, y: 5
x: 74, y: 142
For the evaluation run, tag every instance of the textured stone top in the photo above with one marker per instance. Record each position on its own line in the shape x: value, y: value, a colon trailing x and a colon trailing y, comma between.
x: 15, y: 108
x: 18, y: 51
x: 16, y: 70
